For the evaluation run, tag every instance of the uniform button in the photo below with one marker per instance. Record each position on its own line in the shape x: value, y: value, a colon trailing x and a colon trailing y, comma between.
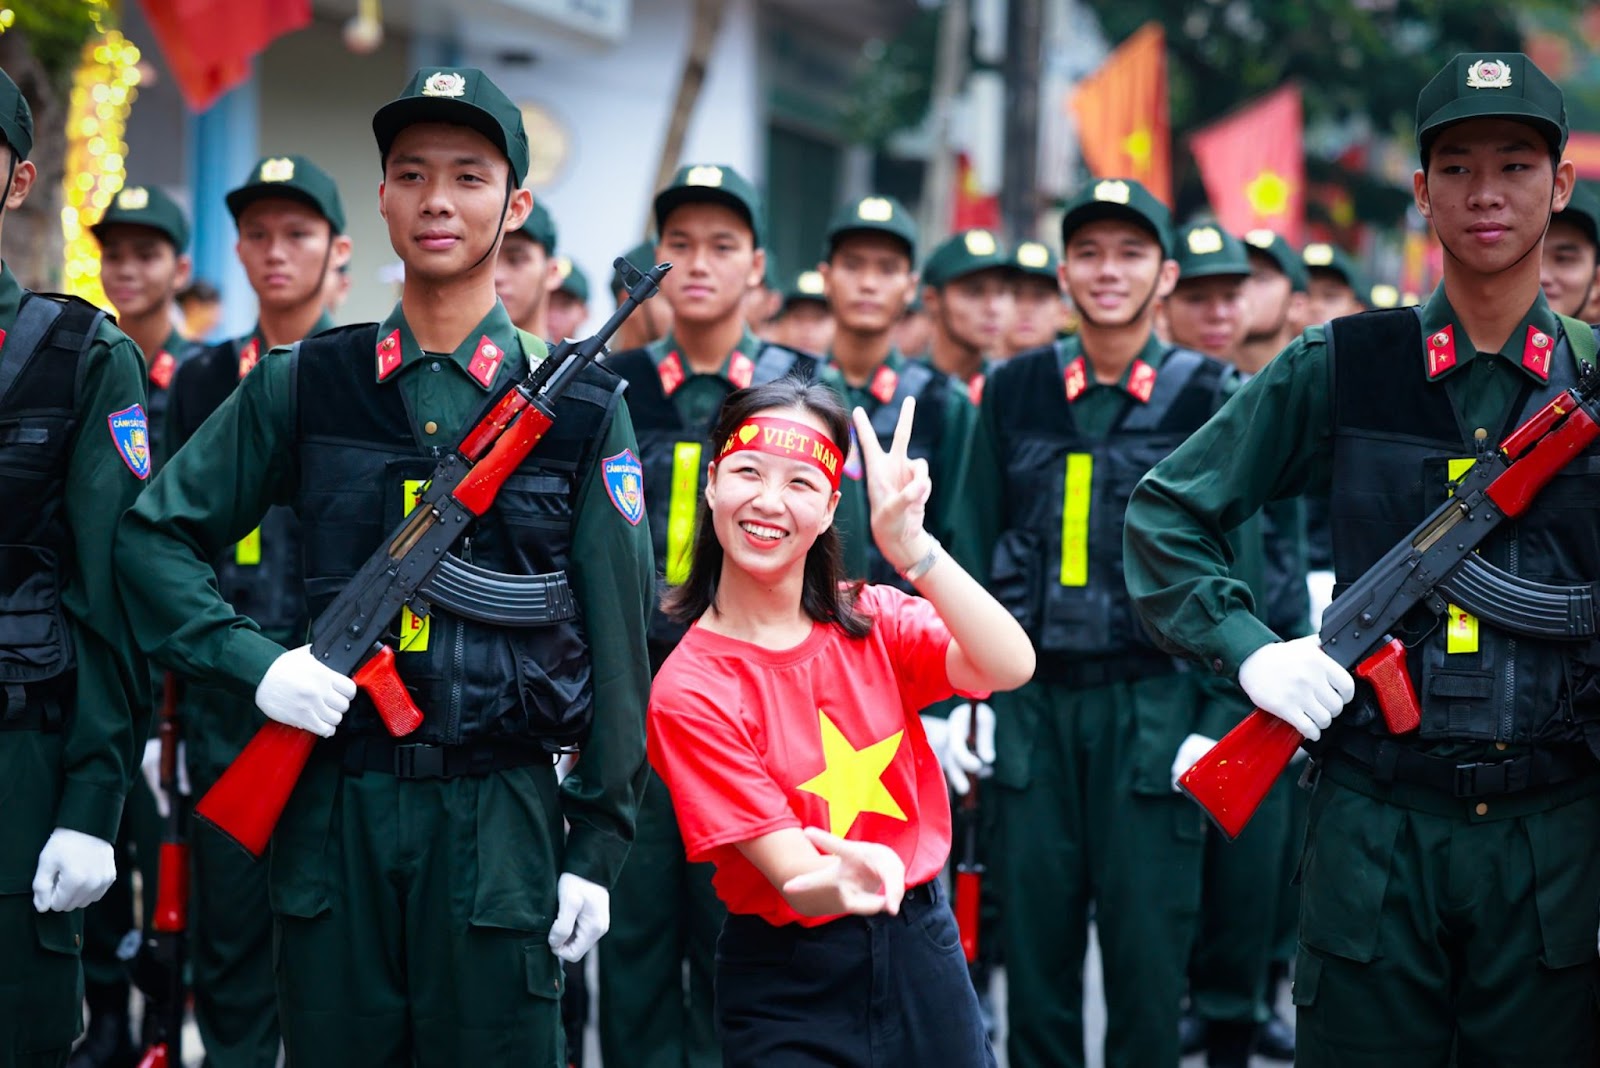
x: 1500, y: 746
x: 434, y: 366
x: 430, y: 427
x: 1481, y: 809
x: 1216, y: 665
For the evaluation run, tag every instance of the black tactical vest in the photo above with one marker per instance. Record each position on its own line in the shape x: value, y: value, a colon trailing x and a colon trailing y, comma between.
x: 929, y: 386
x: 260, y: 577
x: 40, y: 362
x: 1394, y: 437
x: 1073, y: 602
x: 357, y: 448
x: 674, y: 457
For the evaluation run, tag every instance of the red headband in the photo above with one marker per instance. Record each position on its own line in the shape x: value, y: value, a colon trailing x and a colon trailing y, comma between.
x: 790, y: 440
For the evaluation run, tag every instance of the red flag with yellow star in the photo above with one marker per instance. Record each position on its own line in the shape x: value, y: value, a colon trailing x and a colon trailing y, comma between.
x: 208, y: 44
x: 1123, y: 123
x: 1253, y: 165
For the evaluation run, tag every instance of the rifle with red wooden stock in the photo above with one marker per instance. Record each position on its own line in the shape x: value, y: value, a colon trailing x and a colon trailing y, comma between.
x: 158, y: 963
x: 969, y: 873
x: 412, y: 569
x: 1433, y: 567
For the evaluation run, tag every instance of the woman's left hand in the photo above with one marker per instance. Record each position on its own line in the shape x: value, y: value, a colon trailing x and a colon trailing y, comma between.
x: 868, y: 877
x: 898, y: 488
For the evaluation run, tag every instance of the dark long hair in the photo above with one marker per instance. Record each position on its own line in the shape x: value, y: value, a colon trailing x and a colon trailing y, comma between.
x: 825, y: 596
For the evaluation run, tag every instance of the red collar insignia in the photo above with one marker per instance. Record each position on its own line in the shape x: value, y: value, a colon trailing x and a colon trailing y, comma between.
x: 2, y: 339
x: 249, y: 356
x: 485, y: 362
x: 1141, y: 381
x: 671, y: 374
x: 975, y: 388
x: 741, y: 370
x: 1077, y: 379
x: 161, y: 369
x: 1536, y: 352
x: 883, y: 384
x: 389, y: 355
x: 1441, y: 350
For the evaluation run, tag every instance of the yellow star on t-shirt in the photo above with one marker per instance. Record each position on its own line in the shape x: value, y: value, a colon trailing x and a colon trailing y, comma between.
x: 852, y: 779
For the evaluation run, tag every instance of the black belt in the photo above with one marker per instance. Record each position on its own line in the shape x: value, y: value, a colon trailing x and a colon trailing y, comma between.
x: 1067, y: 669
x: 1387, y: 761
x: 418, y: 760
x: 923, y: 893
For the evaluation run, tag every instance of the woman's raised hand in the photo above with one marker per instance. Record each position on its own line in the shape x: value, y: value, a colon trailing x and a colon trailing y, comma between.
x: 898, y: 488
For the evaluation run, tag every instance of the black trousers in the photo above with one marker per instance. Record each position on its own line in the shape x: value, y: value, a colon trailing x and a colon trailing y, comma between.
x: 875, y: 992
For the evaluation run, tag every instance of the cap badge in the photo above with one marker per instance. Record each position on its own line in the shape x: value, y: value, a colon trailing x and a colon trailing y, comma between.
x: 1260, y: 238
x: 875, y: 209
x: 563, y: 267
x: 1489, y: 74
x: 810, y: 283
x: 1319, y: 254
x: 1033, y: 254
x: 280, y: 169
x: 979, y: 243
x: 1112, y: 192
x: 1205, y: 241
x: 133, y: 198
x: 710, y: 176
x: 442, y: 83
x: 1385, y: 295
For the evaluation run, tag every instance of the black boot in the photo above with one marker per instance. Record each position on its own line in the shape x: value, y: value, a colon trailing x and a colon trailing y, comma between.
x: 1229, y: 1043
x: 108, y: 1040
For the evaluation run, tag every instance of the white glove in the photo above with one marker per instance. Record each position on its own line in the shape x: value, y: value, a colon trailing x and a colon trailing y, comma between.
x: 1193, y: 748
x: 564, y: 765
x: 302, y: 692
x: 960, y: 761
x: 583, y: 914
x: 75, y: 869
x: 1297, y: 682
x: 150, y: 765
x: 1319, y: 584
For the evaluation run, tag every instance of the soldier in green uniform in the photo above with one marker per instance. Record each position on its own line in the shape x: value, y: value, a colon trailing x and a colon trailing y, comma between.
x: 74, y: 699
x: 656, y: 967
x: 804, y: 322
x: 569, y: 304
x: 525, y: 272
x: 1334, y: 286
x: 1088, y: 751
x: 1450, y: 888
x: 870, y: 252
x: 1207, y: 310
x: 144, y: 263
x: 1572, y: 254
x: 422, y: 892
x: 1276, y: 294
x: 969, y: 290
x: 288, y: 204
x: 1038, y: 311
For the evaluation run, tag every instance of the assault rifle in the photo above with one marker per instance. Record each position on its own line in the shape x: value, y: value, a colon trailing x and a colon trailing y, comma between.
x: 414, y: 569
x: 1436, y: 565
x: 969, y: 869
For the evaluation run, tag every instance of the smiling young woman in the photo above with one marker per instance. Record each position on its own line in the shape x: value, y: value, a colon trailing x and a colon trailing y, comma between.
x: 785, y: 724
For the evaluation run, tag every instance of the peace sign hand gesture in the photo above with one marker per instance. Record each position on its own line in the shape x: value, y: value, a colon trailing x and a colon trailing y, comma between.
x: 897, y: 488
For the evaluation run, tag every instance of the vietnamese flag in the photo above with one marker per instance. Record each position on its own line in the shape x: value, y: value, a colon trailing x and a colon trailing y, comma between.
x: 209, y: 44
x: 1123, y: 124
x: 1253, y: 165
x: 971, y: 207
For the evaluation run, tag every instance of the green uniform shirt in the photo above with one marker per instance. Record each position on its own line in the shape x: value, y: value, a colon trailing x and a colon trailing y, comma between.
x: 106, y: 728
x: 244, y: 459
x: 699, y: 397
x: 1275, y: 440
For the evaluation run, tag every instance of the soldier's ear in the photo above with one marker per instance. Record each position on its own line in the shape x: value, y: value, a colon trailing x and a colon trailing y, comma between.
x: 1419, y: 191
x: 517, y: 212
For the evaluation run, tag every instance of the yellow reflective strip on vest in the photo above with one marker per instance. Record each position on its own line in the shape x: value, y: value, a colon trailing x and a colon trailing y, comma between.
x: 682, y: 506
x: 413, y: 628
x: 247, y: 550
x: 1461, y: 632
x: 1075, y: 520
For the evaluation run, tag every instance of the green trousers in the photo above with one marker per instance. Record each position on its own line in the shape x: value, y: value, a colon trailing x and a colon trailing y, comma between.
x: 1439, y: 931
x: 1242, y: 883
x: 1286, y: 928
x: 657, y: 962
x: 1092, y: 829
x: 412, y: 918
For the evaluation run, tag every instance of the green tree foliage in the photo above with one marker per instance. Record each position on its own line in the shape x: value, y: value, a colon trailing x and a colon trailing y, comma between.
x: 56, y: 30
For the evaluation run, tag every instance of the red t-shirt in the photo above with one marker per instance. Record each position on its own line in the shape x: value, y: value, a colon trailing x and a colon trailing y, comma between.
x: 752, y: 740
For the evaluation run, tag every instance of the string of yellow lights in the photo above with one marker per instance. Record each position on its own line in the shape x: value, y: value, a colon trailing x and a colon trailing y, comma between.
x: 103, y: 89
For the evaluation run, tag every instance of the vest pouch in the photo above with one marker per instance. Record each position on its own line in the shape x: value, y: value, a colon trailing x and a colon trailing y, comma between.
x: 553, y: 676
x: 1082, y: 621
x: 1016, y: 577
x: 34, y: 641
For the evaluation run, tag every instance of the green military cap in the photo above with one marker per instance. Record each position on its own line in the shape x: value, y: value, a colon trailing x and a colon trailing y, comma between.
x: 574, y: 282
x: 290, y: 178
x: 1206, y: 250
x: 1035, y: 258
x: 711, y: 183
x: 540, y: 228
x: 1321, y: 256
x: 461, y: 96
x: 1583, y: 211
x: 872, y: 214
x: 642, y: 256
x: 807, y: 285
x: 1273, y: 246
x: 1118, y: 198
x: 145, y: 205
x: 1501, y: 85
x: 961, y: 254
x: 16, y: 118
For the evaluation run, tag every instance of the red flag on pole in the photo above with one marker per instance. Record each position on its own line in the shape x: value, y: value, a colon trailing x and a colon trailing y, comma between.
x: 1123, y: 123
x: 1253, y: 165
x: 209, y: 44
x: 972, y: 208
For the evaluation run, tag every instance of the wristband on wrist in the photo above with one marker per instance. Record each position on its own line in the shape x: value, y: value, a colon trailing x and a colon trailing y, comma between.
x: 924, y: 565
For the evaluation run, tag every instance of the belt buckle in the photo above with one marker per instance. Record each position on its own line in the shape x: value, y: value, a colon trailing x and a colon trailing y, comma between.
x: 1476, y: 779
x: 419, y: 761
